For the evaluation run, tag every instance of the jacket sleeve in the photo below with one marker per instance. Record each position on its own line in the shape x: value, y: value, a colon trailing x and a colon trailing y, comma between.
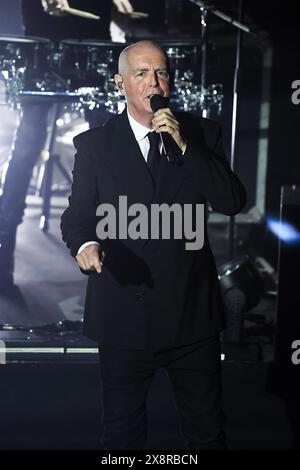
x: 78, y: 222
x: 218, y: 184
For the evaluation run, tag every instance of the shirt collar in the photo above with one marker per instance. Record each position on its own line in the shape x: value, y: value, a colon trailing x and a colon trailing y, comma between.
x: 138, y: 129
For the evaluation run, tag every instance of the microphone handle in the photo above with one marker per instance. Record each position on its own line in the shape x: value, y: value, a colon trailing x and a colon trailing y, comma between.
x: 163, y: 145
x: 171, y: 149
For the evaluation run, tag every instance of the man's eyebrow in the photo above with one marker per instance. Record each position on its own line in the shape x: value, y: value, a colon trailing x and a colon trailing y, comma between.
x: 145, y: 69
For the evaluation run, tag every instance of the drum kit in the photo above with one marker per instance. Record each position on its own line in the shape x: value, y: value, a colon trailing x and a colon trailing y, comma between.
x: 82, y: 72
x: 78, y: 75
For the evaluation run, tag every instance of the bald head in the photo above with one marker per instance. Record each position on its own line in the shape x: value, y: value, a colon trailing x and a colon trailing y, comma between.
x: 143, y: 72
x: 138, y: 47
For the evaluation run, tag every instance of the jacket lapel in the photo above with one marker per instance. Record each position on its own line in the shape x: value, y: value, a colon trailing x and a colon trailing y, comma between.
x: 170, y: 179
x: 126, y: 162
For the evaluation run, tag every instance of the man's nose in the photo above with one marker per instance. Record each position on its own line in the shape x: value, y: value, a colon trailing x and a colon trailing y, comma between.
x: 153, y: 79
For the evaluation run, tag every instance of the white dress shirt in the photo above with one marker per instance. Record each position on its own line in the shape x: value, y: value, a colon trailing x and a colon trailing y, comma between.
x: 140, y: 134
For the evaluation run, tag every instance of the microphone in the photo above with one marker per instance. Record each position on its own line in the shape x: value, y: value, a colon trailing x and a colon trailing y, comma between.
x: 171, y: 149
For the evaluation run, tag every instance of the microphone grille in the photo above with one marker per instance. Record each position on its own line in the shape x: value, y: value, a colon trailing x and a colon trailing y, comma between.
x: 158, y: 102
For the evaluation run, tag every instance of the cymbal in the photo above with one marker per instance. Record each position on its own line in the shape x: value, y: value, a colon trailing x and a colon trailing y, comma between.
x: 93, y: 43
x: 23, y: 40
x: 178, y: 41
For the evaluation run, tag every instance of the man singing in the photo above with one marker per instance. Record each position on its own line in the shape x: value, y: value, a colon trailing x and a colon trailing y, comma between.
x: 151, y: 303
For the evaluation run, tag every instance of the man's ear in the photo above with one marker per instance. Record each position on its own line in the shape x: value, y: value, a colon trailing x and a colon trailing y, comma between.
x: 119, y: 82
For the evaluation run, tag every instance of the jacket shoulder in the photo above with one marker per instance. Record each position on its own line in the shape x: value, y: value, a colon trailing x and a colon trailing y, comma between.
x: 208, y: 125
x: 90, y: 136
x: 199, y: 128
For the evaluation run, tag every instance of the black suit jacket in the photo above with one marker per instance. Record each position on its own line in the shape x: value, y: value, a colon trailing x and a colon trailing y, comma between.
x: 150, y: 294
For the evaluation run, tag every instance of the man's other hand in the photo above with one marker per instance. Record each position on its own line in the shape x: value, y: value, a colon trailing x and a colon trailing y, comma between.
x: 91, y: 258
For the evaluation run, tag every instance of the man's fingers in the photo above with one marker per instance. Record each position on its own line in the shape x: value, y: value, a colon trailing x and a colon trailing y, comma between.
x: 83, y: 262
x: 97, y: 265
x: 169, y: 129
x: 90, y: 265
x: 164, y: 111
x: 94, y: 263
x: 164, y: 119
x: 165, y: 122
x: 89, y: 259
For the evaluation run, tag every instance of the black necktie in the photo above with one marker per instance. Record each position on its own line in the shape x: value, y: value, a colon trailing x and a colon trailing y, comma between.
x: 153, y: 158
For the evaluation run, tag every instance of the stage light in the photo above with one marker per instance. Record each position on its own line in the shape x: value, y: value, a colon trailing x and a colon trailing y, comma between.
x: 241, y: 287
x: 285, y: 231
x: 60, y: 122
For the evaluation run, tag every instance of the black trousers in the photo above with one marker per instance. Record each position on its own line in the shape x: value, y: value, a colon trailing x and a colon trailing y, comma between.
x: 194, y: 372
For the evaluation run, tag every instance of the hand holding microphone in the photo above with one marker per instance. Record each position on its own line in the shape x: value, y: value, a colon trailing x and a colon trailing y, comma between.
x: 166, y: 124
